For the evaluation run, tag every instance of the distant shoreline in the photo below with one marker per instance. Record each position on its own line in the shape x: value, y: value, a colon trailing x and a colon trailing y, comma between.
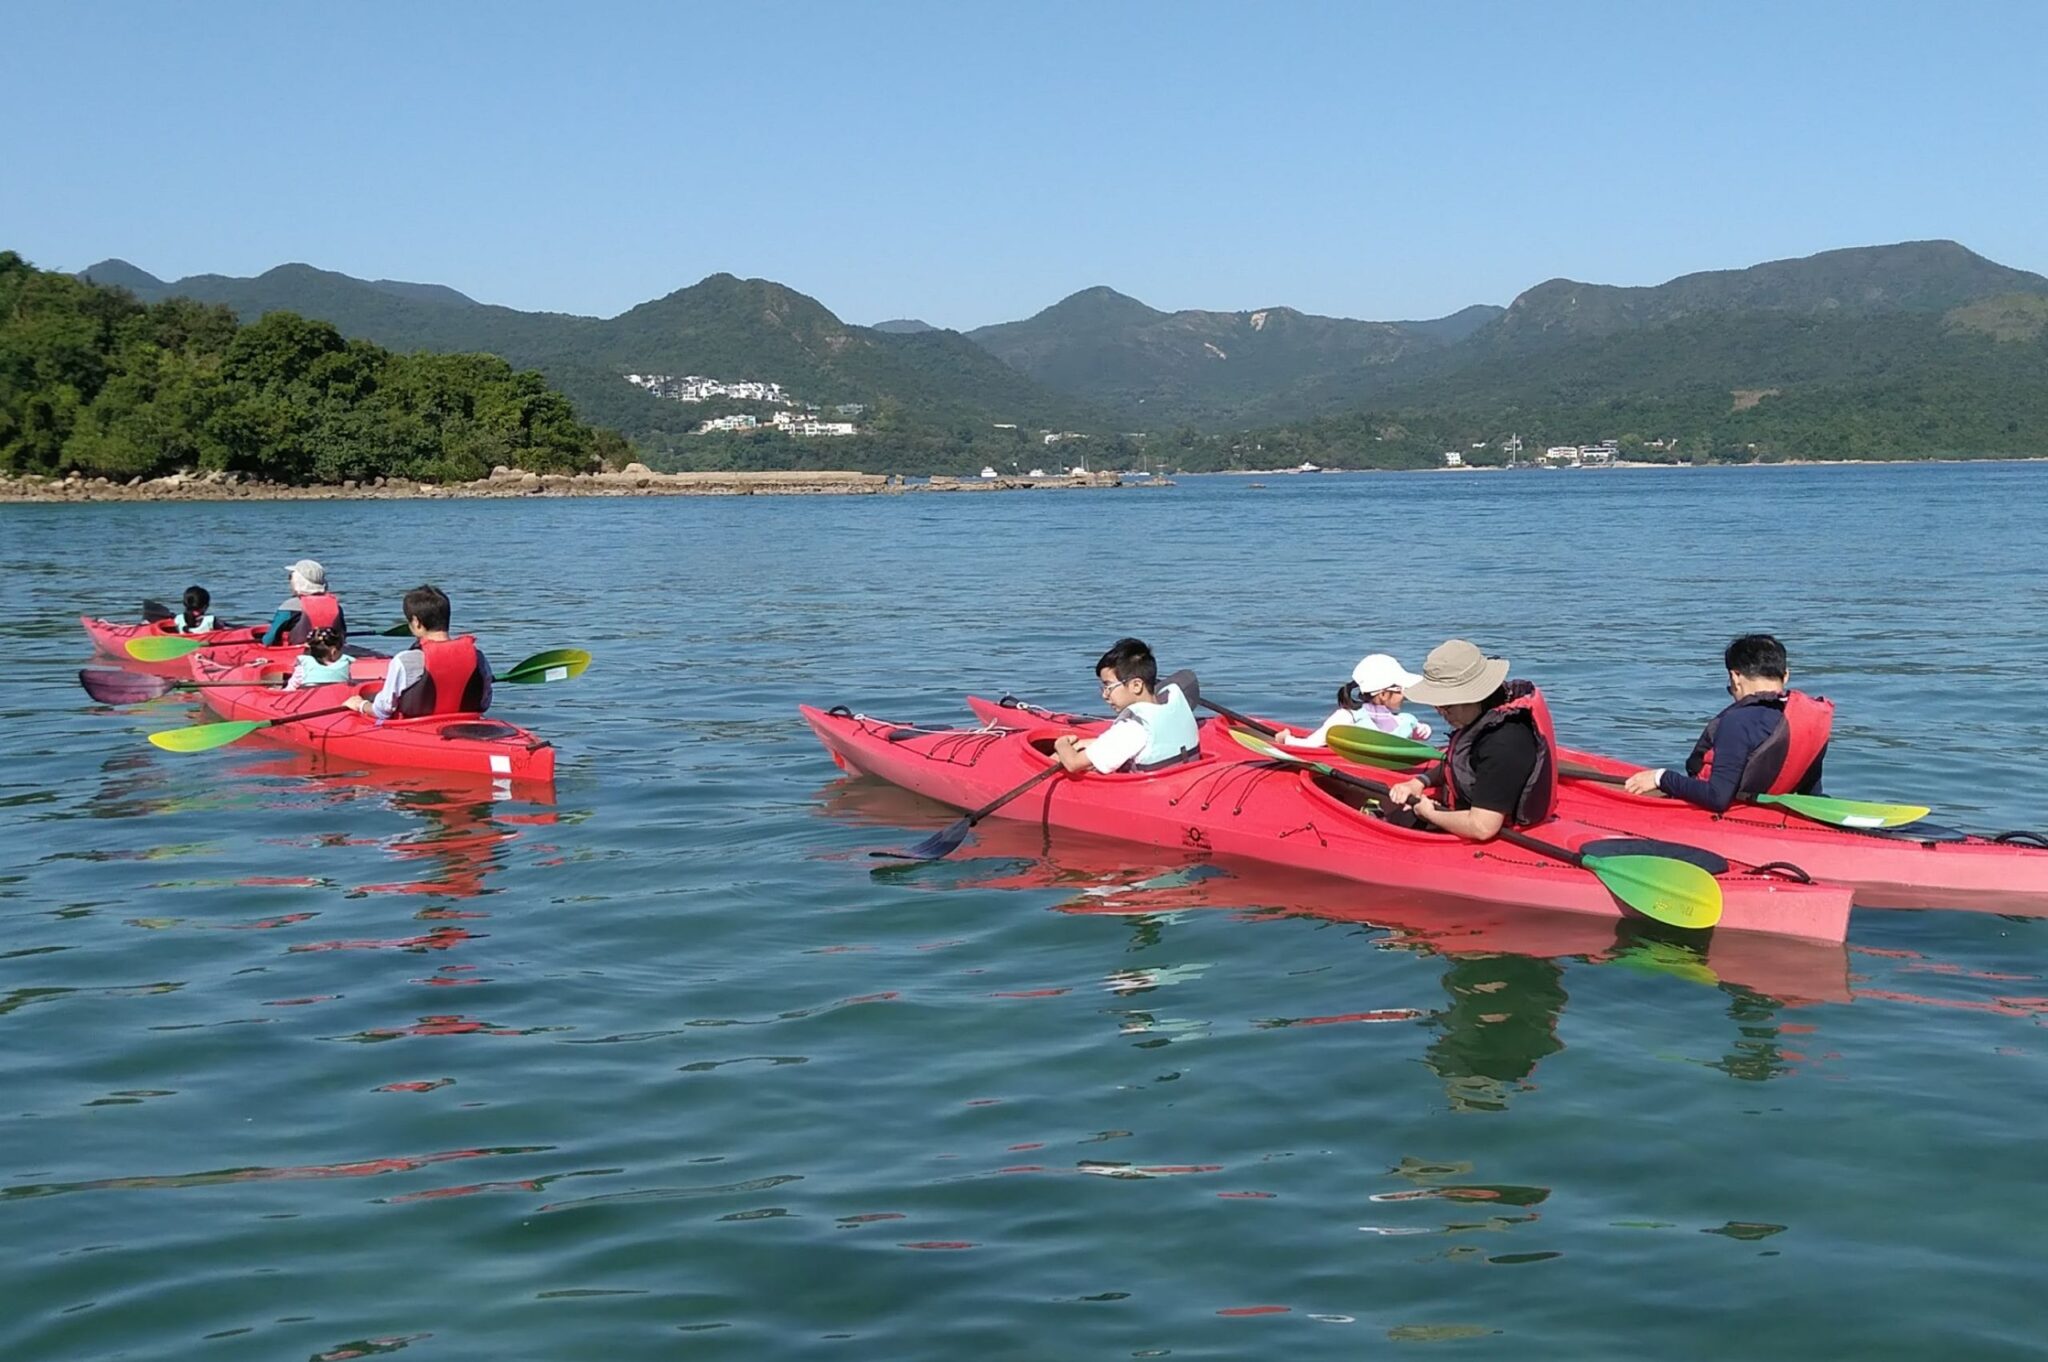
x: 1634, y: 463
x: 636, y: 480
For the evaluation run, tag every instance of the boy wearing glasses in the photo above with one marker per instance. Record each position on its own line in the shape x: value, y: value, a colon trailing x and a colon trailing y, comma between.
x: 1153, y: 729
x: 1771, y: 740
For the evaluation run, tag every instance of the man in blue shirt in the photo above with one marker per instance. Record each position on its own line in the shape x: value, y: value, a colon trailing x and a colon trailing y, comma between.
x: 1770, y: 740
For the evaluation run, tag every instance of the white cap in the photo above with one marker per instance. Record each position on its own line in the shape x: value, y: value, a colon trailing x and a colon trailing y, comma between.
x: 1381, y: 671
x: 309, y: 572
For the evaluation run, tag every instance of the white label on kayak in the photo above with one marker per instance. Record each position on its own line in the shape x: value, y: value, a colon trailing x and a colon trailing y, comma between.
x: 1859, y: 820
x: 555, y: 674
x: 500, y: 765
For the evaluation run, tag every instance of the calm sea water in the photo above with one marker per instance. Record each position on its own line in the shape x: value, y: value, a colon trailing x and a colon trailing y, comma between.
x: 324, y: 1064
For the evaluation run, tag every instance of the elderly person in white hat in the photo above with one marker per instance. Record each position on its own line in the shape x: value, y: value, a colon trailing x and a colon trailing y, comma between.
x: 1500, y: 767
x: 310, y: 606
x: 1370, y: 699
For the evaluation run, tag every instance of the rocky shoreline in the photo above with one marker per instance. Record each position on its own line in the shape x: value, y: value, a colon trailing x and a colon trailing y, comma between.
x: 634, y: 480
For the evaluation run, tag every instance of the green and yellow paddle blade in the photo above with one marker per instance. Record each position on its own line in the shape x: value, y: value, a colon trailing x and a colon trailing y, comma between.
x: 205, y: 737
x: 1658, y: 887
x: 162, y: 647
x: 1375, y: 748
x: 1266, y: 749
x: 1847, y: 813
x: 557, y: 664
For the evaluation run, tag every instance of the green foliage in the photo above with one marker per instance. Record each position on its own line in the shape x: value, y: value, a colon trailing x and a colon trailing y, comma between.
x: 92, y: 380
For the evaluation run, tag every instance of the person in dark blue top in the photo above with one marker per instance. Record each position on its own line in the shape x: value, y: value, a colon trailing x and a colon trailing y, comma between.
x: 1770, y: 740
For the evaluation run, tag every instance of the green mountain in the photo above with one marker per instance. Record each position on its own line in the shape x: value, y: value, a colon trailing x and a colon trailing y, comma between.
x: 723, y: 327
x: 1914, y: 276
x: 1161, y: 369
x: 904, y: 326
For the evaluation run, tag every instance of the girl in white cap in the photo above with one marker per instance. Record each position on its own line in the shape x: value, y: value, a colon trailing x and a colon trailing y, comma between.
x: 1370, y: 699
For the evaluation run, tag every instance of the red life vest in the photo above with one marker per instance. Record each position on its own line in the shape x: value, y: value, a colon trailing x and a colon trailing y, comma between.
x: 315, y: 612
x: 454, y: 683
x: 1538, y: 799
x: 1780, y: 762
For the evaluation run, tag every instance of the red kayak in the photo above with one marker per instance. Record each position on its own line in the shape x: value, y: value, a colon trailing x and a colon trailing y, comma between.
x: 442, y: 742
x: 1281, y: 817
x: 225, y: 645
x: 1098, y: 876
x: 1917, y: 866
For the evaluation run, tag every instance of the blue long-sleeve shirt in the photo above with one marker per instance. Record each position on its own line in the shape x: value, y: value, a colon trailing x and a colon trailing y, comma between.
x: 1743, y: 729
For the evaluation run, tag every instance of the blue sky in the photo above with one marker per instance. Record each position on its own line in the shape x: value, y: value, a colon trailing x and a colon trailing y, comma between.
x: 972, y: 162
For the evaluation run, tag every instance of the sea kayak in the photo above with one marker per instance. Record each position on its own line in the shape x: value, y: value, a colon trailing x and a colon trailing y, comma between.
x: 1098, y: 876
x: 225, y: 645
x: 1917, y: 866
x: 446, y: 742
x: 1281, y: 817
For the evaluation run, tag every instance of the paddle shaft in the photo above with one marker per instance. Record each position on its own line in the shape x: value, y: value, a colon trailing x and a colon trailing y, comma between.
x: 309, y: 714
x: 985, y: 810
x: 1264, y: 730
x: 1507, y: 834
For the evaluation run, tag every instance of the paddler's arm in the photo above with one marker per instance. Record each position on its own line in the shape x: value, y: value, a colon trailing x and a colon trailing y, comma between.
x: 1474, y: 825
x: 279, y: 622
x: 1072, y: 753
x: 397, y: 679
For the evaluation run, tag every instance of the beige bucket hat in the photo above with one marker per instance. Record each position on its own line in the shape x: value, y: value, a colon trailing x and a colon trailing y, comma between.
x: 1457, y: 673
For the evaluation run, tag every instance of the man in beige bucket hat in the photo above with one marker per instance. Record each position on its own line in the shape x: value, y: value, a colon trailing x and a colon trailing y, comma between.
x: 1499, y: 769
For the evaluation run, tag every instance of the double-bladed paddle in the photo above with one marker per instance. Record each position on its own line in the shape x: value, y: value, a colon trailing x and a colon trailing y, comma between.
x: 155, y: 612
x: 170, y: 647
x: 1839, y: 813
x: 1679, y: 892
x: 111, y: 687
x: 557, y: 664
x: 948, y: 839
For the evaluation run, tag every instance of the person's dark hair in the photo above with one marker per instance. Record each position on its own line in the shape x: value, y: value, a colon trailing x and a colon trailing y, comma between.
x: 325, y: 644
x: 428, y: 605
x: 197, y: 598
x: 1758, y: 656
x: 1349, y: 696
x: 1129, y: 658
x: 1497, y: 699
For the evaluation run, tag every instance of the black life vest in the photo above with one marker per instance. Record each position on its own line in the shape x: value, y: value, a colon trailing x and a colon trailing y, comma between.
x: 1524, y: 705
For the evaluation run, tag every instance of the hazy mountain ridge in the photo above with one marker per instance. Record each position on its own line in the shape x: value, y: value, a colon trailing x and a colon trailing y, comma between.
x: 1929, y: 317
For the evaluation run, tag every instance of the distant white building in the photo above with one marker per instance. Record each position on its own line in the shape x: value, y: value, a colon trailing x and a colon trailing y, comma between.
x: 1453, y: 459
x: 740, y: 422
x: 697, y: 388
x: 987, y: 472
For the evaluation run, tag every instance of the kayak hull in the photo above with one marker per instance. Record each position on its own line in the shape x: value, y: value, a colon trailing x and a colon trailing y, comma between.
x: 1884, y: 870
x: 1093, y: 875
x: 1281, y: 817
x: 444, y: 742
x: 111, y: 639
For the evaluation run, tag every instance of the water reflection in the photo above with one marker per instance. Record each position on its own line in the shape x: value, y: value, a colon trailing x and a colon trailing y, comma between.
x: 1504, y: 969
x: 466, y: 825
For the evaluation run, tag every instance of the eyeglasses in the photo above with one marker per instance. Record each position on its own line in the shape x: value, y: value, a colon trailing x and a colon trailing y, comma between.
x: 1110, y: 686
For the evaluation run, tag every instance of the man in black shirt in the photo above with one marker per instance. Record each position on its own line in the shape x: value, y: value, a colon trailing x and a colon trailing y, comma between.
x: 1496, y: 771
